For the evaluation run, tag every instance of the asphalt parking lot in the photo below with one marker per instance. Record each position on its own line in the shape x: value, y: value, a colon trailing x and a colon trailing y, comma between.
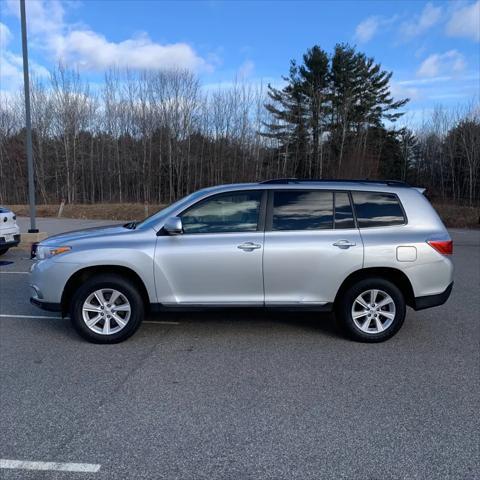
x: 243, y: 395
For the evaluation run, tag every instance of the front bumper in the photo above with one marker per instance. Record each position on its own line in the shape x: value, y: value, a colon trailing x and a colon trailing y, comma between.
x: 50, y: 307
x: 430, y: 301
x: 47, y: 281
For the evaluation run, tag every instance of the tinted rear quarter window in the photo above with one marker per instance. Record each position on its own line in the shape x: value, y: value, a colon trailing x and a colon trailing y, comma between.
x: 375, y: 209
x: 302, y: 210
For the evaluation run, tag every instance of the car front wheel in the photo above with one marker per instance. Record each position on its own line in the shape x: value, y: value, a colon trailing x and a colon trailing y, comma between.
x: 107, y: 309
x: 372, y: 310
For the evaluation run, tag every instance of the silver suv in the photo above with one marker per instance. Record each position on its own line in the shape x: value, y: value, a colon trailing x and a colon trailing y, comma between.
x: 364, y: 249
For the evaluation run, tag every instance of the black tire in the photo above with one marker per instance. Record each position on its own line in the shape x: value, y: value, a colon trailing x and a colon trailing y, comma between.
x: 107, y: 281
x: 3, y: 251
x: 345, y: 304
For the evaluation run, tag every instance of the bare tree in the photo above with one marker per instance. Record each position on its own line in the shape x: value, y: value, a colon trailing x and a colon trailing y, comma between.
x: 155, y: 136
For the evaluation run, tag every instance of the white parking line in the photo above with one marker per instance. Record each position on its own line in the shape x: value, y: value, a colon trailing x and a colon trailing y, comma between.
x: 46, y: 317
x: 6, y: 315
x: 52, y: 466
x: 161, y: 323
x: 18, y: 273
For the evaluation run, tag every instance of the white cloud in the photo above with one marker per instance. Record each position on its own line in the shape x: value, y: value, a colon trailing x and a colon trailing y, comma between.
x: 421, y: 81
x: 79, y: 46
x: 91, y: 51
x: 430, y: 67
x: 437, y: 63
x: 400, y: 90
x: 11, y: 71
x: 42, y: 16
x: 367, y: 29
x: 421, y: 23
x: 465, y: 22
x: 246, y: 69
x: 5, y: 35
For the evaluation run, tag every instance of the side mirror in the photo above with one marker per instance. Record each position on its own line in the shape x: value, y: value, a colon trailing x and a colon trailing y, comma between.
x: 173, y: 226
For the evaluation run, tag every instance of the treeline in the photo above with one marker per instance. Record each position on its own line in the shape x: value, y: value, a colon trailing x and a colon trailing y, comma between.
x: 155, y: 136
x: 329, y: 121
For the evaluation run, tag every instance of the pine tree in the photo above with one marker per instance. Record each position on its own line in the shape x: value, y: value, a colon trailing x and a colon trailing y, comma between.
x: 409, y: 151
x: 340, y: 98
x: 289, y: 111
x: 314, y: 83
x: 361, y: 97
x: 299, y: 111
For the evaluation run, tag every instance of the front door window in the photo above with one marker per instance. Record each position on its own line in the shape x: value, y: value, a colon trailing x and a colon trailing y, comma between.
x: 224, y: 213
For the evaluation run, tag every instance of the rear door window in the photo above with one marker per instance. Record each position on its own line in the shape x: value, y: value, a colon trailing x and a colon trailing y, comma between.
x: 302, y: 210
x: 376, y: 209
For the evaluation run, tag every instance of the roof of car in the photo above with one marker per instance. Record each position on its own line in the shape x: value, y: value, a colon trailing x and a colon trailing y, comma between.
x: 294, y: 183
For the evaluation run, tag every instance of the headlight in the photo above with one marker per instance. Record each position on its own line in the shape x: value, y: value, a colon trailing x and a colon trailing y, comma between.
x: 44, y: 252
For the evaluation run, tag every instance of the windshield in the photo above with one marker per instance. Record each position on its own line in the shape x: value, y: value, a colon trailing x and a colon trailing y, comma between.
x: 153, y: 220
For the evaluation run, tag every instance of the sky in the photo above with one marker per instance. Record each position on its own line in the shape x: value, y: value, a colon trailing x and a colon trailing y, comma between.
x: 433, y: 48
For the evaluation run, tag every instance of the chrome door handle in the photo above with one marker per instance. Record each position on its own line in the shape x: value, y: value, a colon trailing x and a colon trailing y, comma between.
x: 344, y: 244
x: 249, y: 246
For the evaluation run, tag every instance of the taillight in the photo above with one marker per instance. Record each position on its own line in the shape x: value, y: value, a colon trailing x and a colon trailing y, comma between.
x: 445, y: 247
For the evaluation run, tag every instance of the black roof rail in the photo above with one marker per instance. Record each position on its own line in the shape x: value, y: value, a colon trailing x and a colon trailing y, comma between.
x: 286, y: 181
x: 281, y: 181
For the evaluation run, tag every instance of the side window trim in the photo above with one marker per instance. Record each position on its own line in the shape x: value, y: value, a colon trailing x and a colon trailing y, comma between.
x: 269, y: 212
x: 334, y: 209
x: 357, y: 226
x: 261, y: 211
x: 381, y: 193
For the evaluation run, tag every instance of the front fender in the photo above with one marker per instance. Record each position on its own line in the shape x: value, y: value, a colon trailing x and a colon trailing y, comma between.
x: 137, y: 260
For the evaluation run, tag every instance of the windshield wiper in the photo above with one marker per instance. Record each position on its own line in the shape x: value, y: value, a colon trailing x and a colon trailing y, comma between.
x: 131, y: 225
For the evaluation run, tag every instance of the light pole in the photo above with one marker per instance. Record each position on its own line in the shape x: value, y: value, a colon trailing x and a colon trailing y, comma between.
x: 26, y: 83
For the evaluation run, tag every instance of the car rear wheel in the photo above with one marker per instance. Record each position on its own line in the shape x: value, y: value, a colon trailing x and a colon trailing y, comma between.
x: 372, y: 310
x: 107, y: 309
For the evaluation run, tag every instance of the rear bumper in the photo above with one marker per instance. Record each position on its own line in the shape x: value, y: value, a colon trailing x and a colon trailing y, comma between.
x: 430, y: 301
x: 50, y: 307
x: 13, y: 243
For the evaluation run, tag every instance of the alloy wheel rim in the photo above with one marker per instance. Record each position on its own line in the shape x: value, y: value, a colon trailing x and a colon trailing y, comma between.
x: 373, y: 311
x: 106, y: 311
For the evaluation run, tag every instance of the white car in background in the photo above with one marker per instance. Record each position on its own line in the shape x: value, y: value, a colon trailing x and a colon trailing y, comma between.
x: 9, y: 230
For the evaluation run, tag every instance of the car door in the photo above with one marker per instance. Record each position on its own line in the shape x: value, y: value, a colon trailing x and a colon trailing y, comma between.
x: 311, y: 245
x: 217, y: 260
